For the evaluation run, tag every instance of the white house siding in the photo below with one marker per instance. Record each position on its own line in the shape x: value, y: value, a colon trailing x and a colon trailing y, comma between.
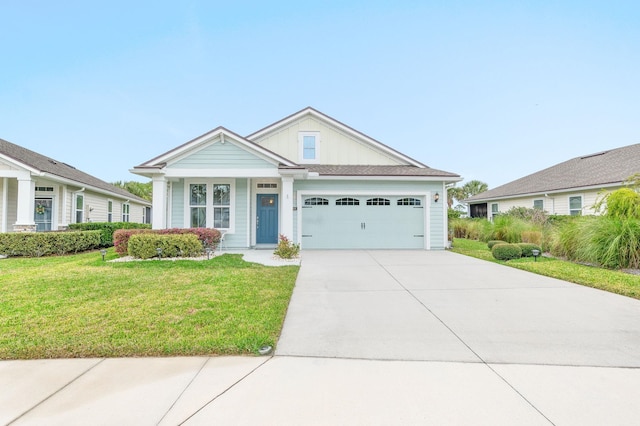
x: 554, y: 203
x: 221, y: 156
x: 335, y: 146
x: 435, y: 232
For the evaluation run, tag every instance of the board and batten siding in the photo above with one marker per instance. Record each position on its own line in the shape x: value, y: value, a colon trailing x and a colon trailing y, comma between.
x: 335, y: 146
x: 221, y: 156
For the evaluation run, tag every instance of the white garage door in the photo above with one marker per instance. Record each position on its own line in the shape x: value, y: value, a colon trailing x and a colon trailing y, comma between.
x: 363, y: 222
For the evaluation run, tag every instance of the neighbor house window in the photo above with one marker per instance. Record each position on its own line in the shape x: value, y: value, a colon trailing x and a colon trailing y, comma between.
x: 575, y: 205
x: 198, y: 205
x: 109, y: 211
x: 308, y: 145
x: 221, y: 205
x: 79, y: 208
x: 125, y: 212
x: 538, y: 204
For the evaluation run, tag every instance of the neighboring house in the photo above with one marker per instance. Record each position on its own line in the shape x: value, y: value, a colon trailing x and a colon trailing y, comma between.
x: 308, y: 177
x: 569, y: 188
x: 38, y: 193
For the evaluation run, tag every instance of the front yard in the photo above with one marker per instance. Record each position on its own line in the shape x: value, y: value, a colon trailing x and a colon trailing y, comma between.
x: 80, y: 306
x: 605, y: 279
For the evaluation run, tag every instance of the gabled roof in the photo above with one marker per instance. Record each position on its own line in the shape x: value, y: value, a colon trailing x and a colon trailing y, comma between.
x: 53, y: 168
x: 602, y: 169
x: 343, y: 127
x: 161, y: 160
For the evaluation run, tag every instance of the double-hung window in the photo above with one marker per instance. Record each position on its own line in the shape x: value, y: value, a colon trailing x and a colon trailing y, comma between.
x: 125, y: 212
x: 198, y: 205
x: 79, y: 207
x: 221, y: 205
x: 209, y: 204
x: 109, y: 211
x: 575, y: 205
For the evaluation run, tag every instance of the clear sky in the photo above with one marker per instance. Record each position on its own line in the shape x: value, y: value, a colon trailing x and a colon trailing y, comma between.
x: 491, y: 90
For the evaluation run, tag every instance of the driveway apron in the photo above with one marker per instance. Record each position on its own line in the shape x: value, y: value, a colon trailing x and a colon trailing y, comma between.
x: 441, y: 306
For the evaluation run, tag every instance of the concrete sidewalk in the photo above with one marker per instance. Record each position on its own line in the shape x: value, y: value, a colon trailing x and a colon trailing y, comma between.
x: 398, y: 337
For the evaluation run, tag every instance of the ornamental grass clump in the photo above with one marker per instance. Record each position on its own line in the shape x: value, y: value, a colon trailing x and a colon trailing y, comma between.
x: 506, y: 251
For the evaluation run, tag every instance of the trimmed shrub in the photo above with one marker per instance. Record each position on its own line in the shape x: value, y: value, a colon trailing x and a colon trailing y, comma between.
x: 36, y: 244
x: 492, y: 243
x: 527, y: 249
x: 209, y: 238
x: 506, y: 251
x: 145, y: 245
x: 107, y: 229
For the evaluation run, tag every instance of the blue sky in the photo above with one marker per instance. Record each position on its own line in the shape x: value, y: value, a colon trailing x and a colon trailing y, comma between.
x: 491, y: 90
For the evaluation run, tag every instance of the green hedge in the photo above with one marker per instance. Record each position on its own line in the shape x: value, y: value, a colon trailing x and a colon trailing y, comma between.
x: 107, y: 229
x: 36, y: 244
x: 144, y: 246
x: 527, y: 249
x: 492, y: 243
x: 210, y: 238
x: 506, y: 251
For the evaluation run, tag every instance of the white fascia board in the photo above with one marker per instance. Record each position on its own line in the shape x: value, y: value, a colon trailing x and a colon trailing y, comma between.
x: 19, y: 164
x: 384, y: 178
x: 148, y: 172
x: 221, y: 173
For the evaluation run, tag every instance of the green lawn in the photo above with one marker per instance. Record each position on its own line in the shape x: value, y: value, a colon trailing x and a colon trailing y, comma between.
x: 604, y: 279
x: 80, y: 306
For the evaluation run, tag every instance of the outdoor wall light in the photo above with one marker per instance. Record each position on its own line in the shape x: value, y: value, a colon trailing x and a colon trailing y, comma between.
x: 436, y: 197
x: 159, y: 251
x: 103, y: 252
x: 535, y: 254
x: 208, y: 250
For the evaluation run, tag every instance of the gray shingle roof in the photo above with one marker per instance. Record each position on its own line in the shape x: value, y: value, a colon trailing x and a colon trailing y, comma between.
x: 368, y: 170
x: 603, y: 168
x: 60, y: 169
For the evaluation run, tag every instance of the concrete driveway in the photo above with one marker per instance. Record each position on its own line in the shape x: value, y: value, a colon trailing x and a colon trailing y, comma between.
x: 376, y: 338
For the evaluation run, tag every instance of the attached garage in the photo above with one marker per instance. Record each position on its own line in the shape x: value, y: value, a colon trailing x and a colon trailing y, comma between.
x: 363, y: 221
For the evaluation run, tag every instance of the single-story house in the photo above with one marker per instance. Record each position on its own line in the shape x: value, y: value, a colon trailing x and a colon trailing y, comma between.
x: 38, y: 193
x: 568, y: 188
x: 309, y: 177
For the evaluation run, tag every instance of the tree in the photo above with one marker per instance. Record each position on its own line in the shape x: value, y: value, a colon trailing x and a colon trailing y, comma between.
x: 142, y: 190
x: 469, y: 189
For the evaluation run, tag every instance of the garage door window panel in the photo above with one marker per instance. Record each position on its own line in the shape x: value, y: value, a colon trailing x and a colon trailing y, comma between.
x: 316, y: 201
x: 378, y: 202
x: 409, y: 202
x: 347, y: 202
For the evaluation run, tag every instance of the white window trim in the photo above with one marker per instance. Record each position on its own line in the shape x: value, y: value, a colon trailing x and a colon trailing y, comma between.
x: 301, y: 158
x: 128, y: 214
x: 209, y: 206
x: 581, y: 203
x: 75, y: 207
x: 538, y: 199
x: 109, y: 212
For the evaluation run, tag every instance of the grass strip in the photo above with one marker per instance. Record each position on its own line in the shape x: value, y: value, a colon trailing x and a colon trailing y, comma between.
x: 614, y: 281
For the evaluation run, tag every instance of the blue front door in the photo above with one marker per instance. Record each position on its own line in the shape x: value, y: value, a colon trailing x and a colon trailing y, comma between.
x: 267, y: 219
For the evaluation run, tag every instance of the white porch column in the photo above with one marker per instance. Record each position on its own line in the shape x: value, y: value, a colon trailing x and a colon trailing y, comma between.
x: 26, y: 204
x: 286, y: 227
x: 159, y: 203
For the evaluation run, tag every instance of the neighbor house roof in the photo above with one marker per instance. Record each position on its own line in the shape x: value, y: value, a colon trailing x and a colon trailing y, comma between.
x: 55, y: 168
x: 606, y: 168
